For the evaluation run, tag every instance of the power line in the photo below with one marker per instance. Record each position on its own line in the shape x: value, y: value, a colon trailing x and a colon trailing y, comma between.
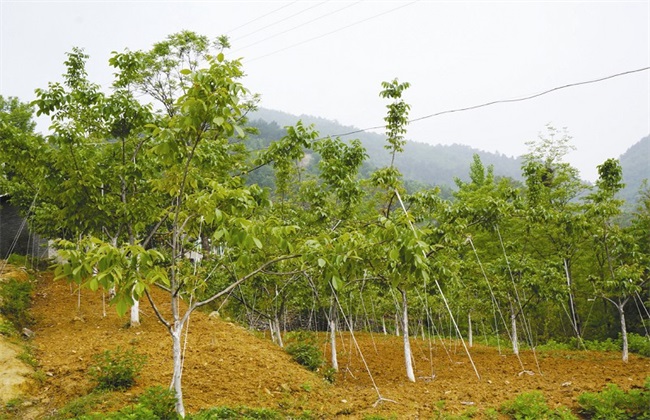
x: 502, y: 101
x: 332, y: 32
x: 301, y: 25
x: 261, y: 17
x: 281, y: 20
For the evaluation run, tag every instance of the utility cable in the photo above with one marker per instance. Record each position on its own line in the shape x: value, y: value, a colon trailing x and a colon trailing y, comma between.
x: 276, y: 22
x: 261, y: 17
x: 331, y: 32
x: 301, y: 25
x: 501, y: 101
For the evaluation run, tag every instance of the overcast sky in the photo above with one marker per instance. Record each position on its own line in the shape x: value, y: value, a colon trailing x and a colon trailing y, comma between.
x: 328, y: 59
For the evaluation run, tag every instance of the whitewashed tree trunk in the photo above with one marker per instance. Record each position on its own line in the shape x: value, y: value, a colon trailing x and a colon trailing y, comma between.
x: 621, y: 313
x: 408, y: 357
x: 135, y: 314
x: 335, y: 360
x: 397, y: 323
x: 276, y: 334
x: 178, y: 367
x: 574, y: 316
x: 513, y: 323
x: 383, y: 325
x: 470, y: 333
x: 624, y: 336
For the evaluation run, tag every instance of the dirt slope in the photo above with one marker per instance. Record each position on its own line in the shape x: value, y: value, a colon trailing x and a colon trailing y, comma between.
x: 15, y: 376
x: 227, y: 365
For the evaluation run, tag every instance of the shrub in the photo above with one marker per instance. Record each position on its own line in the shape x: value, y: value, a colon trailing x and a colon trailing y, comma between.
x: 161, y: 402
x: 113, y: 370
x: 131, y: 412
x: 532, y: 405
x: 304, y: 350
x: 614, y: 403
x: 639, y: 344
x: 15, y: 300
x: 245, y: 413
x: 555, y: 345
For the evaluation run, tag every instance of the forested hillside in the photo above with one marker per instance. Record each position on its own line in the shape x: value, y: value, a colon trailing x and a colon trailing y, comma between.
x: 424, y: 163
x: 636, y: 168
x: 439, y: 165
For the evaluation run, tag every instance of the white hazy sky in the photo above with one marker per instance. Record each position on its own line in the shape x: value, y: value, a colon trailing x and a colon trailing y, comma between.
x: 328, y: 59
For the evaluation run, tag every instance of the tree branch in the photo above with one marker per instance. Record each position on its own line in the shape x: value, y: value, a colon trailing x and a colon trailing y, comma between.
x: 157, y: 312
x: 240, y: 281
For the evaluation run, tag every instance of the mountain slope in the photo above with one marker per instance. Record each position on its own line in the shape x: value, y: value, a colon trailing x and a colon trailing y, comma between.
x: 425, y: 163
x: 636, y: 168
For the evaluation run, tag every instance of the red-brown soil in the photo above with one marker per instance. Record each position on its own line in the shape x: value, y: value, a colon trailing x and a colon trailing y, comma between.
x: 225, y: 364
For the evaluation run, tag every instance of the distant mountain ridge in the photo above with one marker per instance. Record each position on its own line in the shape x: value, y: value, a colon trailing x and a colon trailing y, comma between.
x: 441, y: 164
x: 421, y: 162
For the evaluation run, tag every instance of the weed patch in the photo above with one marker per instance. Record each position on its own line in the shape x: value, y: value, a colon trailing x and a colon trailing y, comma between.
x: 115, y: 370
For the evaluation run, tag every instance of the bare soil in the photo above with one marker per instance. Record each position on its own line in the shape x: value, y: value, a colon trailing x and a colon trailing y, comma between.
x: 226, y: 364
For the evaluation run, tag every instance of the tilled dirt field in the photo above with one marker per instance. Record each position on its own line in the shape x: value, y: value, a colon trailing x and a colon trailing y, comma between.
x: 226, y: 364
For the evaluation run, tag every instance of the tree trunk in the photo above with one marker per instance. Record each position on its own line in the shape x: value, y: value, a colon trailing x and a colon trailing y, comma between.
x: 470, y: 333
x: 514, y: 337
x: 333, y: 318
x: 205, y: 246
x: 135, y: 314
x: 178, y: 368
x: 621, y: 314
x: 277, y: 331
x: 408, y: 360
x: 574, y: 316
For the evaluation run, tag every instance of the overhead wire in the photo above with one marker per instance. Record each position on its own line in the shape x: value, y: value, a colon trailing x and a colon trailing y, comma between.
x: 332, y: 32
x: 261, y: 17
x: 502, y: 101
x: 279, y: 21
x: 301, y: 25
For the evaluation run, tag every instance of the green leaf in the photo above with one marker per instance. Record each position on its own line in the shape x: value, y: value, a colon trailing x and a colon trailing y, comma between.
x: 258, y: 243
x: 121, y: 306
x: 93, y: 284
x: 321, y: 262
x: 336, y: 282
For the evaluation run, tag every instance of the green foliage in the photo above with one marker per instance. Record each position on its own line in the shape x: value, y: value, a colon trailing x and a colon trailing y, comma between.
x: 639, y: 344
x: 555, y: 345
x: 7, y: 328
x: 397, y: 116
x: 15, y: 301
x: 303, y: 347
x: 116, y: 370
x: 244, y: 413
x: 615, y: 404
x: 329, y: 374
x: 131, y: 412
x: 80, y: 407
x: 599, y: 345
x: 160, y: 401
x: 531, y: 406
x: 12, y: 406
x: 27, y: 357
